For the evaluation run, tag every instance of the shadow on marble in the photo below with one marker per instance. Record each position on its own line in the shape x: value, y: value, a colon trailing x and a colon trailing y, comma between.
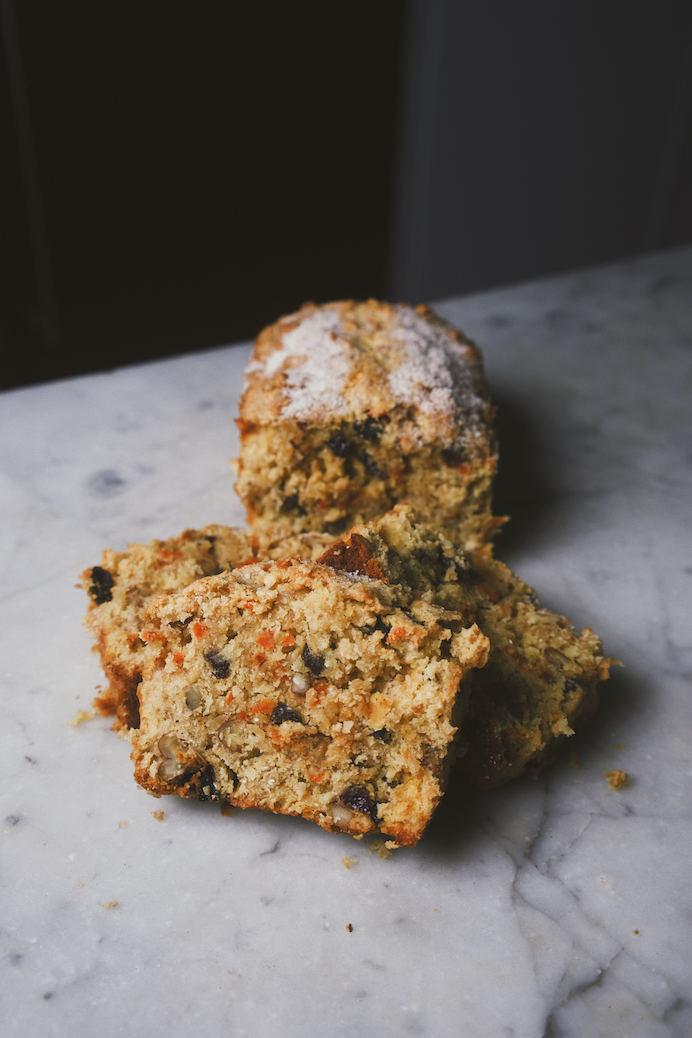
x: 623, y: 700
x: 521, y: 490
x: 457, y: 830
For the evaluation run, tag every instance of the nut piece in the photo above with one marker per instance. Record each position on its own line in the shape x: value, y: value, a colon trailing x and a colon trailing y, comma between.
x: 170, y: 769
x: 230, y: 735
x: 340, y: 815
x: 194, y: 698
x: 299, y: 685
x: 169, y: 745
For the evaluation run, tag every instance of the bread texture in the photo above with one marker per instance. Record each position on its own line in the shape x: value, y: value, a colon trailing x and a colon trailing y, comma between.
x: 297, y: 689
x: 120, y: 587
x: 540, y: 682
x: 350, y: 408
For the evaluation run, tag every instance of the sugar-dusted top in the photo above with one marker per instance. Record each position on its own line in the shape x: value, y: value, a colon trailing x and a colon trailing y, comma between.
x: 344, y: 361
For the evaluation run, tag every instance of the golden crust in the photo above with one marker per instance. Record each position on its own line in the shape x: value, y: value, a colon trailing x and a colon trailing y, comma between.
x: 371, y: 343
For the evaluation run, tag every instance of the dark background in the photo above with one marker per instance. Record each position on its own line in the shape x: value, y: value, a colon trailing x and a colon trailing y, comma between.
x: 175, y: 176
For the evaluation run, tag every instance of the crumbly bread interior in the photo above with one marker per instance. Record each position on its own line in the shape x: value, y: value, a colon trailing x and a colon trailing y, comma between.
x: 329, y: 478
x: 351, y: 408
x: 540, y: 681
x: 293, y: 688
x: 124, y: 582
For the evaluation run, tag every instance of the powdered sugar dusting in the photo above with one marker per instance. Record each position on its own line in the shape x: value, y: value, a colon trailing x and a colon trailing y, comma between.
x: 434, y: 376
x: 315, y: 384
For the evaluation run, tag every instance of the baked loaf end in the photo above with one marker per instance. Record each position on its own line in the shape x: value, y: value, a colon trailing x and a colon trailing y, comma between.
x: 124, y: 582
x: 350, y: 408
x: 540, y: 682
x: 296, y: 689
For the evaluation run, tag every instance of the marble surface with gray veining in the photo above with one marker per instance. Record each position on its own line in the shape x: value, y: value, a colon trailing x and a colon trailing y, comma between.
x: 556, y: 907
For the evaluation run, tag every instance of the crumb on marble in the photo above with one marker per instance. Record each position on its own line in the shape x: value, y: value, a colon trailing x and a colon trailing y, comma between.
x: 562, y: 727
x: 80, y: 717
x: 110, y: 904
x: 226, y: 809
x: 122, y: 824
x: 381, y: 848
x: 349, y: 927
x: 617, y: 779
x: 636, y: 932
x: 80, y: 885
x: 158, y: 815
x: 348, y: 862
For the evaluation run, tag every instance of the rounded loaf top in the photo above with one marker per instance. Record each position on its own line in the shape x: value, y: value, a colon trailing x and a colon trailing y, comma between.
x: 345, y: 361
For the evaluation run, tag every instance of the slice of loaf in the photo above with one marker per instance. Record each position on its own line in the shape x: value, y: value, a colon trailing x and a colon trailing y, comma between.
x: 293, y: 688
x: 124, y: 582
x: 540, y: 682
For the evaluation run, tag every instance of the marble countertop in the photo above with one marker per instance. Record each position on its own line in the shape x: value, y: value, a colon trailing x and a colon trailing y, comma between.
x: 556, y: 907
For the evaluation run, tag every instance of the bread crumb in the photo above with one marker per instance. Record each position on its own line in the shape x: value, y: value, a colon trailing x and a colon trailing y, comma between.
x: 80, y: 885
x: 562, y: 727
x: 226, y: 809
x: 348, y: 862
x: 636, y: 932
x: 122, y: 825
x: 617, y: 779
x: 158, y: 815
x: 381, y: 848
x: 80, y: 717
x: 349, y: 927
x: 110, y: 904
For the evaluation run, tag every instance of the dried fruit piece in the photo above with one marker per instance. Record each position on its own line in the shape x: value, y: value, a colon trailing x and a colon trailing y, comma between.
x: 219, y: 663
x: 357, y: 798
x: 101, y: 585
x: 314, y: 661
x: 372, y: 428
x: 339, y: 445
x: 282, y: 712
